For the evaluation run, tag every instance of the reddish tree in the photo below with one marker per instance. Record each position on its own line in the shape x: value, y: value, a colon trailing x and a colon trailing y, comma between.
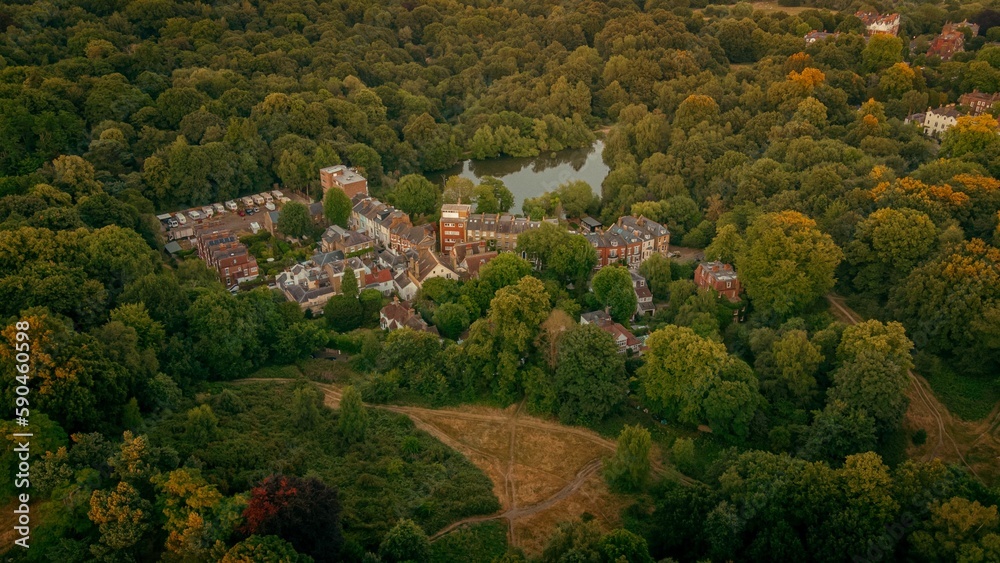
x: 303, y: 512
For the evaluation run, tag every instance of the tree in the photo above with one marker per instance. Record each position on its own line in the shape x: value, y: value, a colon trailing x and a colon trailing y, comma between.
x: 349, y: 284
x: 493, y: 196
x: 873, y: 375
x: 504, y: 270
x: 694, y: 380
x: 796, y: 361
x: 307, y: 403
x: 415, y: 195
x: 198, y: 517
x: 971, y: 136
x: 406, y: 541
x: 303, y: 511
x: 622, y: 545
x: 838, y: 431
x: 726, y: 244
x: 294, y: 220
x: 883, y: 51
x: 656, y: 270
x: 202, y: 425
x: 264, y: 549
x: 613, y: 288
x: 934, y: 304
x: 458, y: 190
x: 451, y: 319
x: 590, y: 378
x: 123, y: 518
x: 343, y: 313
x: 629, y: 468
x: 353, y: 420
x: 887, y: 245
x: 336, y: 207
x: 787, y: 263
x: 958, y: 529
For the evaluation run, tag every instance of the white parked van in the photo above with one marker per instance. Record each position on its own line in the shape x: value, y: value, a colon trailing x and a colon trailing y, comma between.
x: 219, y: 208
x: 195, y: 214
x: 208, y: 211
x: 268, y: 197
x: 257, y: 199
x: 181, y: 218
x: 277, y: 194
x: 231, y: 205
x: 247, y: 201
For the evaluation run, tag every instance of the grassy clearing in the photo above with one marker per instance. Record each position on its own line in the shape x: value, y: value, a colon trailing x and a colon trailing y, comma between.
x: 477, y: 543
x: 968, y: 398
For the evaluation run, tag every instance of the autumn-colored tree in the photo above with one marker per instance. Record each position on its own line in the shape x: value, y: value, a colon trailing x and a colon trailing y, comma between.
x: 304, y: 512
x: 786, y: 263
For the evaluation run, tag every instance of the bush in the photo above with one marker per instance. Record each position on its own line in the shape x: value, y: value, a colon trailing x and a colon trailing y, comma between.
x: 919, y: 437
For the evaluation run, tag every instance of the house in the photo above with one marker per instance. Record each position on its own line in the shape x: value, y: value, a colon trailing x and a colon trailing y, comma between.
x: 630, y: 241
x: 404, y: 286
x: 388, y: 226
x: 380, y: 280
x: 643, y: 295
x: 428, y: 265
x: 306, y: 284
x: 399, y: 314
x: 917, y: 118
x: 720, y: 278
x: 335, y: 271
x: 814, y: 36
x: 589, y: 224
x: 468, y: 257
x: 223, y: 252
x: 323, y: 258
x: 945, y: 45
x: 978, y: 103
x: 349, y: 180
x: 939, y: 120
x: 973, y: 27
x: 349, y: 242
x: 391, y: 260
x: 316, y: 212
x: 876, y: 24
x: 623, y: 337
x: 498, y: 230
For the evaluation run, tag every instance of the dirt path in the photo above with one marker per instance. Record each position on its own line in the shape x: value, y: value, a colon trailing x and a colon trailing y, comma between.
x: 943, y: 428
x: 506, y: 445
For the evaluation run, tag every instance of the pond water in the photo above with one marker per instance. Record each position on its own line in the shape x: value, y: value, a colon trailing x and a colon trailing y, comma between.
x: 530, y: 177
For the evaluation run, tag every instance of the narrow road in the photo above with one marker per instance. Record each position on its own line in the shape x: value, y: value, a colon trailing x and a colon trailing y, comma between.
x: 919, y: 389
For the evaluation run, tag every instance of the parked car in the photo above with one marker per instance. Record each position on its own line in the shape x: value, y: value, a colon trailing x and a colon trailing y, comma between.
x: 172, y: 223
x: 181, y: 219
x: 241, y: 213
x: 270, y: 206
x: 195, y: 214
x: 249, y: 211
x: 231, y: 205
x: 219, y: 208
x: 256, y: 209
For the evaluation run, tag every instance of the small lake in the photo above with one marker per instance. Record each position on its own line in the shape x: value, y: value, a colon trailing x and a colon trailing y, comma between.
x: 530, y: 177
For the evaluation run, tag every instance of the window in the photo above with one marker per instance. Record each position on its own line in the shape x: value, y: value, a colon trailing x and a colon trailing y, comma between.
x: 729, y: 284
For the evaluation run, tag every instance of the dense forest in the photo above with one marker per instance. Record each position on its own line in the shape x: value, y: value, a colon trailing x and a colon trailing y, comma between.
x: 790, y: 160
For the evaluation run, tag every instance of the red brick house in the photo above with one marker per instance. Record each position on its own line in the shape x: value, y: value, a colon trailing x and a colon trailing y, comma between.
x: 720, y: 278
x: 223, y: 252
x: 343, y: 178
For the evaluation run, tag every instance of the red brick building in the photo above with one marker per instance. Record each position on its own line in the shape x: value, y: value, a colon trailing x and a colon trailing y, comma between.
x: 223, y: 252
x: 945, y: 46
x: 347, y: 179
x: 977, y: 102
x: 719, y: 277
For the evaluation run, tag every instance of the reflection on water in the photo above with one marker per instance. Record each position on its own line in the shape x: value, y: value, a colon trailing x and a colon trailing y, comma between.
x: 530, y: 177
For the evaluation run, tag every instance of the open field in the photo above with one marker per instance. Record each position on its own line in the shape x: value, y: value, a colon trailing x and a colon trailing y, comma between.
x: 975, y: 444
x: 542, y: 472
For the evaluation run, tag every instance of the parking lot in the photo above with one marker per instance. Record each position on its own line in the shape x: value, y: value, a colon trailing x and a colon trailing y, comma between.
x: 226, y: 220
